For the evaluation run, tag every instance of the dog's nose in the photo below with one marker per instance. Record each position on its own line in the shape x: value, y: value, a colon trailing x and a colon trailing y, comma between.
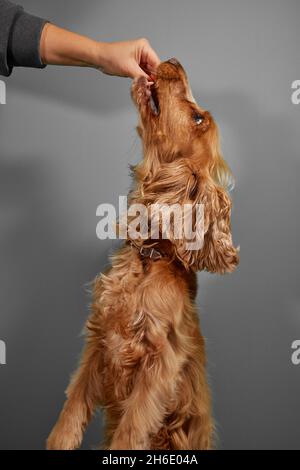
x: 173, y: 61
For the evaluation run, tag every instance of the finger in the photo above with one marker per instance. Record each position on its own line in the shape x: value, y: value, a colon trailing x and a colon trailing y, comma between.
x: 150, y: 57
x: 135, y: 71
x: 149, y: 70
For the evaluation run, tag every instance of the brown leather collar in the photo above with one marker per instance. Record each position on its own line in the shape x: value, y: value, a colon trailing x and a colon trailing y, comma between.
x: 148, y: 251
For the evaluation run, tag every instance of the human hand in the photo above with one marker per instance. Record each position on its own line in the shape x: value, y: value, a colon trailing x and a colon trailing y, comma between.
x: 132, y: 59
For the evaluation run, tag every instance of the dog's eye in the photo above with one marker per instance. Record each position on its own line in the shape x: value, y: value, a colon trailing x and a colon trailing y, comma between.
x: 198, y: 118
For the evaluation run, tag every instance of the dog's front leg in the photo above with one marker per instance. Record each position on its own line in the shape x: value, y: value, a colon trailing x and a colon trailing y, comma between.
x: 83, y: 394
x: 145, y: 409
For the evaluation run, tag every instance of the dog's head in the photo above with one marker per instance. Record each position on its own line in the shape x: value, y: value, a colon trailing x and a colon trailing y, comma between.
x: 183, y: 163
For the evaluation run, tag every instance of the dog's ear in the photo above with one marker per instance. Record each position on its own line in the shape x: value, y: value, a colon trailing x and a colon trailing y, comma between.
x: 218, y: 254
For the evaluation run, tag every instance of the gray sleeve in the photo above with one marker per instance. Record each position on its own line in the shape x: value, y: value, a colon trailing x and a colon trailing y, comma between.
x: 19, y: 38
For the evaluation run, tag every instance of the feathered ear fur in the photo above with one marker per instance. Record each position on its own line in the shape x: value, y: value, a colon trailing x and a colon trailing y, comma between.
x: 218, y: 253
x: 220, y: 170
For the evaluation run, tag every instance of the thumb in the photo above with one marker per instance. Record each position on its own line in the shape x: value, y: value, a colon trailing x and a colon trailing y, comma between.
x: 134, y: 71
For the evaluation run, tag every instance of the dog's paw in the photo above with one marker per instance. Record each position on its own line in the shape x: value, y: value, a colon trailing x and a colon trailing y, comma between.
x: 62, y: 439
x: 140, y: 90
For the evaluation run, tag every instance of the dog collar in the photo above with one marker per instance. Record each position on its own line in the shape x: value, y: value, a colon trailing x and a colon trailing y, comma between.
x: 148, y: 251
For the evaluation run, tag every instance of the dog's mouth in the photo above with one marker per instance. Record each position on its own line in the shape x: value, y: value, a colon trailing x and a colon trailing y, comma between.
x: 153, y: 100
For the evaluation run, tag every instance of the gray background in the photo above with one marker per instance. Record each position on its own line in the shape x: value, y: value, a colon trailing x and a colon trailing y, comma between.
x: 66, y: 139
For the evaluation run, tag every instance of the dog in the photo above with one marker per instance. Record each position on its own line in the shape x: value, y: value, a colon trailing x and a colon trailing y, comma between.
x: 144, y: 359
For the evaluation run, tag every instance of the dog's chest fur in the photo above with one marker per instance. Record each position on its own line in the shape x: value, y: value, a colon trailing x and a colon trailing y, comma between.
x: 138, y: 311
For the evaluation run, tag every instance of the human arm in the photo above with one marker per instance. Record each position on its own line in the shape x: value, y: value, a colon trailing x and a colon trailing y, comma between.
x: 125, y: 58
x: 29, y: 41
